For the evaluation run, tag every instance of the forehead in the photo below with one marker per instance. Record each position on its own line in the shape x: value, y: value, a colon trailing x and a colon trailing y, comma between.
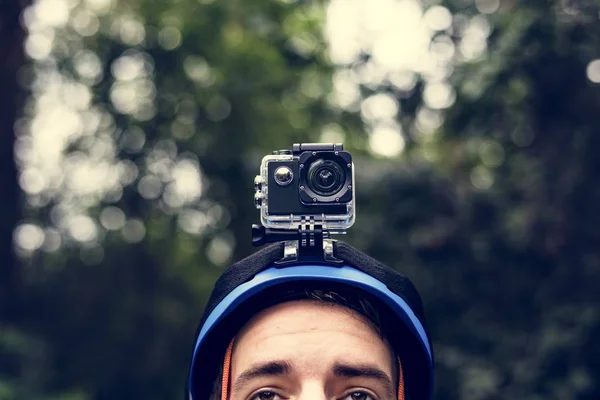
x: 310, y: 333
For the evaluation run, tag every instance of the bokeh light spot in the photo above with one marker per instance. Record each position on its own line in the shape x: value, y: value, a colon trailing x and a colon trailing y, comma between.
x: 198, y: 70
x: 379, y: 106
x: 428, y: 121
x: 523, y: 137
x: 76, y: 95
x: 593, y: 71
x: 403, y: 79
x: 29, y: 237
x: 443, y: 49
x: 439, y: 95
x: 218, y: 108
x: 88, y: 65
x: 133, y: 231
x: 386, y: 140
x: 169, y: 38
x: 332, y: 133
x: 187, y: 182
x: 39, y: 45
x: 346, y: 91
x: 479, y: 26
x: 342, y: 18
x: 87, y: 176
x: 132, y: 32
x: 52, y: 240
x: 491, y: 154
x: 32, y: 181
x: 182, y: 129
x: 85, y: 23
x: 150, y: 187
x: 112, y: 218
x: 192, y: 221
x: 99, y: 7
x: 487, y: 6
x: 481, y: 178
x: 134, y: 97
x: 133, y: 139
x: 127, y: 172
x: 52, y: 13
x: 82, y: 228
x: 218, y: 216
x: 220, y: 250
x: 438, y: 18
x: 128, y: 67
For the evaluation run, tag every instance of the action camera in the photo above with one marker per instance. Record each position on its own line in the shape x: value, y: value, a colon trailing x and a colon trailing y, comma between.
x: 312, y: 181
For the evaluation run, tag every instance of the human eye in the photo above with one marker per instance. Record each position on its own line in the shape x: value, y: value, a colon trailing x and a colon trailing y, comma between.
x: 267, y: 395
x: 359, y: 395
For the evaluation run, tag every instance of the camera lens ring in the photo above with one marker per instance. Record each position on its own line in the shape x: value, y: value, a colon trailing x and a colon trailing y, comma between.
x: 325, y: 177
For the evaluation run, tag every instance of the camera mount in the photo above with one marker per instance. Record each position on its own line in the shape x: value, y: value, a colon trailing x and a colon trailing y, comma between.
x: 308, y: 243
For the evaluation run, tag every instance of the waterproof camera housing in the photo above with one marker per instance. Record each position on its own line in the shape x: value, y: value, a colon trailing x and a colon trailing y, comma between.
x: 312, y: 182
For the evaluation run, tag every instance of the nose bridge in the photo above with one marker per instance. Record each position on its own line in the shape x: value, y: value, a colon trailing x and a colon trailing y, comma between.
x: 313, y: 390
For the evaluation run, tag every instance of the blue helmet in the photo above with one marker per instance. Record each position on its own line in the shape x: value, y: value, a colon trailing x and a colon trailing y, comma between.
x: 250, y: 286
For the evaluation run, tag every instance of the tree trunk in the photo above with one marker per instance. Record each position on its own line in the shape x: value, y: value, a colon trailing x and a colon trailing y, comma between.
x: 11, y: 53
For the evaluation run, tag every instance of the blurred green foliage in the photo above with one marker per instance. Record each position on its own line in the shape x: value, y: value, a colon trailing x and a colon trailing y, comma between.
x: 493, y: 214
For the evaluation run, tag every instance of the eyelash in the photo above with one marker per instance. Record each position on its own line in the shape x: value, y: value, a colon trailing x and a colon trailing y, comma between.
x: 362, y: 392
x: 257, y: 395
x: 274, y: 394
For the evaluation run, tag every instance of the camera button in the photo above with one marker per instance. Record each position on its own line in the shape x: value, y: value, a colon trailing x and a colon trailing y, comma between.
x: 258, y: 199
x: 258, y: 182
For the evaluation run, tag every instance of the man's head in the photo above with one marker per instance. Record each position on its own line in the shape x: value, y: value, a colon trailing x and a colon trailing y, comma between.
x: 323, y: 345
x: 334, y: 314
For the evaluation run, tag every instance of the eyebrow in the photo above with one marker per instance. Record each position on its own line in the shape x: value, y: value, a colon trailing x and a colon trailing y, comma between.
x: 281, y: 367
x: 365, y: 371
x: 271, y: 368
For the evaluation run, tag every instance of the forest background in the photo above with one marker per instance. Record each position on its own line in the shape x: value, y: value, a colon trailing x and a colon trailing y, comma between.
x: 131, y: 132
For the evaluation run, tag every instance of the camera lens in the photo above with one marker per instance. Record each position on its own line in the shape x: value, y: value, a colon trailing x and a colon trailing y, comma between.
x: 325, y: 177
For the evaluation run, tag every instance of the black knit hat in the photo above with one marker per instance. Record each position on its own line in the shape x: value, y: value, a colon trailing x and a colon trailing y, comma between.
x: 235, y: 299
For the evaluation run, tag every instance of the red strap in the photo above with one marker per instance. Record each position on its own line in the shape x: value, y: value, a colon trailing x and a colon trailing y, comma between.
x: 226, y: 372
x: 400, y: 381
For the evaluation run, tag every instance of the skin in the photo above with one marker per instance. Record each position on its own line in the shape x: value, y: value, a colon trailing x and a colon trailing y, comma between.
x: 306, y: 350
